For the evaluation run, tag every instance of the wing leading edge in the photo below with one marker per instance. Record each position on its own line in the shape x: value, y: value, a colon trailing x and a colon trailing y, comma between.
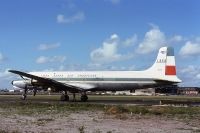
x: 49, y: 82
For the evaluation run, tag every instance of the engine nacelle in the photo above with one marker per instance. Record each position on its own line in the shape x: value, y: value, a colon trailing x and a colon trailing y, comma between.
x: 21, y: 83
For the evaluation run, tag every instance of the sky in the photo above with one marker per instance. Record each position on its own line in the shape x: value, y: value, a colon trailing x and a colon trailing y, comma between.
x: 68, y: 35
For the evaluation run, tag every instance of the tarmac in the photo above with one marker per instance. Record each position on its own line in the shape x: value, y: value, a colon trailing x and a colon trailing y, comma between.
x: 110, y: 100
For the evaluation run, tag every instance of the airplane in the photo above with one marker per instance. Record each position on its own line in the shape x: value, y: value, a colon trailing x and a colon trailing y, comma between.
x: 161, y: 73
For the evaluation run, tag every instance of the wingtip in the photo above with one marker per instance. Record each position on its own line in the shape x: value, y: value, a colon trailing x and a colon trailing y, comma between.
x: 12, y: 71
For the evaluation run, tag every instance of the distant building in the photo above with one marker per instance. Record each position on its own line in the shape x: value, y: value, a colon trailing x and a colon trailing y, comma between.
x: 138, y: 92
x: 4, y: 90
x: 11, y: 90
x: 188, y: 91
x: 172, y: 90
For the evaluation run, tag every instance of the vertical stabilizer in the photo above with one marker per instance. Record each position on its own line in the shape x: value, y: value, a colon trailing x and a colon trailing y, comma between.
x: 164, y: 67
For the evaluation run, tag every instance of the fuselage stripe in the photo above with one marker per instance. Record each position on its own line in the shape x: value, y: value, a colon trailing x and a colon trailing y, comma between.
x: 102, y: 79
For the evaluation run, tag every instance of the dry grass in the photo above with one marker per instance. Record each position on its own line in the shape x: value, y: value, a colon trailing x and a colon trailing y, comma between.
x: 12, y: 104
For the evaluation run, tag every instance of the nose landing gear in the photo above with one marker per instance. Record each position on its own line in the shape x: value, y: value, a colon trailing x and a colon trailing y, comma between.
x: 65, y: 97
x: 24, y: 95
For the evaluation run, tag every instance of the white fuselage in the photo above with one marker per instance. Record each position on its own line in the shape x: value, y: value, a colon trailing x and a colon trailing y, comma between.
x: 104, y: 80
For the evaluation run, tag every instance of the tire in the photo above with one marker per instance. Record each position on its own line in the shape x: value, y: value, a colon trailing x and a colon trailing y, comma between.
x: 23, y: 97
x: 84, y: 98
x: 64, y: 98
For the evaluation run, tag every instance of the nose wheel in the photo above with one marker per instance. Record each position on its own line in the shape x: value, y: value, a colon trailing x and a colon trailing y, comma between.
x: 24, y: 95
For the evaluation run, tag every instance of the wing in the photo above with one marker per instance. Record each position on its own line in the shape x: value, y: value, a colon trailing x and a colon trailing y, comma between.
x: 50, y: 82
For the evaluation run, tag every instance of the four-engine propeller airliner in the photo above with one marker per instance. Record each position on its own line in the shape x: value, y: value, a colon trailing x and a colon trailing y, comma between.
x: 161, y: 73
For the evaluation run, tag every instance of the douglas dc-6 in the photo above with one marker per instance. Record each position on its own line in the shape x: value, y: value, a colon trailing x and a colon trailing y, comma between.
x: 161, y: 73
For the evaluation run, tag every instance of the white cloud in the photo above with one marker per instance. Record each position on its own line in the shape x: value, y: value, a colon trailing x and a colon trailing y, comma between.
x: 190, y: 75
x: 176, y: 38
x: 48, y: 46
x: 191, y: 70
x: 6, y: 78
x: 108, y: 52
x: 131, y: 41
x: 153, y: 40
x: 198, y: 76
x: 80, y: 16
x: 190, y: 49
x: 44, y: 59
x: 5, y: 75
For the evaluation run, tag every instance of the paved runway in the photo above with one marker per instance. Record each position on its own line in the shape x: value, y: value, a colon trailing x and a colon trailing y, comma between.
x: 109, y: 100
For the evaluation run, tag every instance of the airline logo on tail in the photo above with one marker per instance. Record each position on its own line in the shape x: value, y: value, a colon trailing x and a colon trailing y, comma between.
x: 163, y: 52
x: 170, y: 68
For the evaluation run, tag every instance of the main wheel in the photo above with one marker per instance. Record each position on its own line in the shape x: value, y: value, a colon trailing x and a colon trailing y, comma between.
x: 64, y: 98
x: 23, y: 97
x: 84, y: 98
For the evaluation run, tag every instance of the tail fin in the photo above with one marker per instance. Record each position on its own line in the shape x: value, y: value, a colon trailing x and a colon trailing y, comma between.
x: 164, y: 67
x: 170, y: 67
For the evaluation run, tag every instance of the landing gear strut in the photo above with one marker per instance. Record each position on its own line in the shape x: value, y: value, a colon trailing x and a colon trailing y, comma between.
x: 84, y: 97
x: 24, y: 95
x: 34, y: 91
x: 74, y: 97
x: 64, y: 96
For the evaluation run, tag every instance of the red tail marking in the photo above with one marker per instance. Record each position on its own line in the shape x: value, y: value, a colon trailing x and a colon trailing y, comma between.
x: 170, y: 70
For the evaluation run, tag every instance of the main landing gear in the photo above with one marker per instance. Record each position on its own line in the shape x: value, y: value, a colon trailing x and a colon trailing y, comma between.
x: 24, y: 95
x: 84, y: 97
x: 34, y: 91
x: 64, y: 96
